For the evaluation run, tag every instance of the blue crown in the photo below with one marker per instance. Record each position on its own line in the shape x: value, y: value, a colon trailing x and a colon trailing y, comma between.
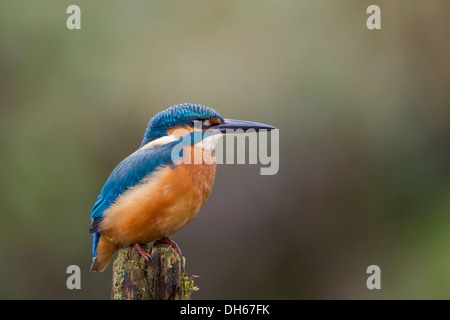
x: 179, y: 115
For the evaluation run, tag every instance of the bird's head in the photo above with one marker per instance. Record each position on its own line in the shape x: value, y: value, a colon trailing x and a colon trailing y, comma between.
x: 192, y: 117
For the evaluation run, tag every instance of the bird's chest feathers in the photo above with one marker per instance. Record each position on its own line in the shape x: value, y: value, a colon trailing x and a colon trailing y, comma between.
x: 195, y: 180
x: 162, y: 204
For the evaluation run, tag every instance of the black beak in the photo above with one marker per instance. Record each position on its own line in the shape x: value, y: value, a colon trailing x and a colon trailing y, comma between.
x: 231, y: 124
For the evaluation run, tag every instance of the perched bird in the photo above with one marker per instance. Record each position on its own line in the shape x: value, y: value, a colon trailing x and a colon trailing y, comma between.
x: 150, y: 195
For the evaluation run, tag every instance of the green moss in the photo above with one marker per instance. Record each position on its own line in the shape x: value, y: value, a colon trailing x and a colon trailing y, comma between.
x: 119, y: 277
x: 188, y: 286
x: 118, y: 296
x: 170, y: 254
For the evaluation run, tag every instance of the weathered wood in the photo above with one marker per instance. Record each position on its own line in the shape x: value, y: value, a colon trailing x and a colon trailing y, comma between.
x: 162, y: 278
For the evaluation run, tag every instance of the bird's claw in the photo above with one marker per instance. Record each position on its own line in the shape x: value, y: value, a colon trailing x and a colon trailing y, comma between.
x: 171, y: 242
x: 141, y: 251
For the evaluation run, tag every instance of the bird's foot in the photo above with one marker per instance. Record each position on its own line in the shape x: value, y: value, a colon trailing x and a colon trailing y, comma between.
x: 171, y: 242
x: 142, y: 252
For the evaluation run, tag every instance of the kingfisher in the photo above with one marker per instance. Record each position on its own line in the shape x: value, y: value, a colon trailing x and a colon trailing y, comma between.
x: 162, y: 186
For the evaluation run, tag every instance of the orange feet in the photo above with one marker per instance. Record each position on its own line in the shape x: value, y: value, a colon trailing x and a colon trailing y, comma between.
x: 142, y: 252
x: 172, y: 243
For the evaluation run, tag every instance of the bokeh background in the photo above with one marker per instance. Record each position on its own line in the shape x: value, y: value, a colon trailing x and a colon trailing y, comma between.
x: 364, y: 120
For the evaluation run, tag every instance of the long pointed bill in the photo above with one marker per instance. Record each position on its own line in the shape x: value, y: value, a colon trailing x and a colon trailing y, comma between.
x: 231, y: 124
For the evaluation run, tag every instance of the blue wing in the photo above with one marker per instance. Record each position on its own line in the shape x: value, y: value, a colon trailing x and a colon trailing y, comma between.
x: 130, y: 172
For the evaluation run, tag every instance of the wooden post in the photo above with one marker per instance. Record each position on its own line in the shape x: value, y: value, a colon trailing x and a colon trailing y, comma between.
x: 162, y: 278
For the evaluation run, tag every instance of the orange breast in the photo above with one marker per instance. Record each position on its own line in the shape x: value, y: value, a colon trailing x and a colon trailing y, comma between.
x: 161, y: 205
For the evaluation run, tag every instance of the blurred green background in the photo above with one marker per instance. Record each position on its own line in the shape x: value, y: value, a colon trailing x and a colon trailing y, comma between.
x: 364, y: 119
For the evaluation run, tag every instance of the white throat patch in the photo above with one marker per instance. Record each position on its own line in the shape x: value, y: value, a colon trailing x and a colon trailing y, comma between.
x: 209, y: 143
